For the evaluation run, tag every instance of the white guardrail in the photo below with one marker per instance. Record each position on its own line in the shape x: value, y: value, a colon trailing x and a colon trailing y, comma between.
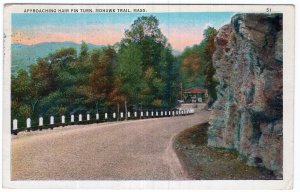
x: 107, y: 118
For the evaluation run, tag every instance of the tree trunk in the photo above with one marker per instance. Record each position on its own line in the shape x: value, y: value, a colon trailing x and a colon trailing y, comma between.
x: 118, y: 110
x: 125, y: 105
x: 97, y: 107
x: 33, y: 104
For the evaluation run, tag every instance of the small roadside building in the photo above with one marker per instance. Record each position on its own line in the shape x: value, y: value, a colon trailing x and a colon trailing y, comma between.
x: 195, y: 95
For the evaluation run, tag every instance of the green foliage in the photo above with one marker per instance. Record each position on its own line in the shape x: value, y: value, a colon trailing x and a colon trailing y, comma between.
x: 24, y: 111
x: 196, y: 68
x: 139, y: 72
x: 129, y: 70
x: 157, y: 63
x: 193, y: 66
x: 21, y: 89
x: 170, y: 76
x: 23, y: 56
x: 145, y: 27
x: 21, y: 95
x: 42, y: 77
x: 83, y: 51
x: 210, y: 81
x: 101, y: 77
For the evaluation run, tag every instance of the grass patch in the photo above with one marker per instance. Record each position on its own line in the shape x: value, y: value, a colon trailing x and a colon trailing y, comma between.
x: 195, y: 135
x: 203, y: 162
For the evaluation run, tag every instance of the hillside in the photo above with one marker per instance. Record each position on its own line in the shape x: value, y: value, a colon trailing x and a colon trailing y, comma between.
x: 25, y: 55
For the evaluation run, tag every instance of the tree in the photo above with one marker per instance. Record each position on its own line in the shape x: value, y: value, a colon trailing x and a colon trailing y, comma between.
x: 42, y: 81
x: 101, y: 78
x: 42, y: 77
x: 170, y: 75
x: 196, y: 65
x: 192, y: 66
x: 143, y: 27
x: 21, y: 90
x: 58, y: 71
x: 146, y: 35
x: 115, y: 96
x: 63, y: 56
x: 21, y: 93
x: 139, y: 71
x: 210, y: 81
x: 129, y: 71
x: 83, y: 52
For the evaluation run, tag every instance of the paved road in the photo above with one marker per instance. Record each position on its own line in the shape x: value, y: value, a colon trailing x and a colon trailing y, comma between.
x: 140, y: 149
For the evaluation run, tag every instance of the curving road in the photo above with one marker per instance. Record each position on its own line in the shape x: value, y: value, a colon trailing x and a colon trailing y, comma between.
x: 140, y: 149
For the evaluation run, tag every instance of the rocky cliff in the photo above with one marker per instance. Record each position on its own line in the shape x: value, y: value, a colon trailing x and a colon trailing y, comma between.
x: 247, y: 115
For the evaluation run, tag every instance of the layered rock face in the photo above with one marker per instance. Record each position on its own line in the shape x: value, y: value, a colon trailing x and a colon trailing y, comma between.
x: 247, y: 116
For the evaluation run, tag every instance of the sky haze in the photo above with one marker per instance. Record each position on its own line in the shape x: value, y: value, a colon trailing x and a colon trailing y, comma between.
x: 181, y: 28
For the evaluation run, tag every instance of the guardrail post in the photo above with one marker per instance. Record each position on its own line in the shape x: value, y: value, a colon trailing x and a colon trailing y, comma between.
x: 105, y: 116
x: 28, y: 124
x: 51, y: 121
x: 63, y: 120
x: 128, y: 114
x: 80, y: 118
x: 72, y: 118
x: 15, y: 126
x: 135, y: 114
x: 114, y: 115
x: 142, y: 114
x: 97, y: 116
x: 41, y: 122
x: 88, y: 117
x: 147, y: 113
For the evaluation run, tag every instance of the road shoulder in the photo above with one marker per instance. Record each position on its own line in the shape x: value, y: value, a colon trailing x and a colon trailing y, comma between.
x: 206, y: 163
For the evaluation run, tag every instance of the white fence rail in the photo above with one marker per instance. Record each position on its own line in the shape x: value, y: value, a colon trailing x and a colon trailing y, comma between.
x: 106, y: 117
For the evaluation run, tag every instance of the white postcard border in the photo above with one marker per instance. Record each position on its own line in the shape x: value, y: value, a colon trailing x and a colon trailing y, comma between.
x: 288, y: 110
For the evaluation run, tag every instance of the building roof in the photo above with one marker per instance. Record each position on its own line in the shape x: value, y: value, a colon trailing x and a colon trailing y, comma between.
x: 195, y: 90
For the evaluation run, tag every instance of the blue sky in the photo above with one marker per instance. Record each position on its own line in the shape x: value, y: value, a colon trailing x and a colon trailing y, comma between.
x: 181, y: 28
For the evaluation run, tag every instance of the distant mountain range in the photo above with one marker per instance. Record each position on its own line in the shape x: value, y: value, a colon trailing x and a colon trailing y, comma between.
x: 25, y: 55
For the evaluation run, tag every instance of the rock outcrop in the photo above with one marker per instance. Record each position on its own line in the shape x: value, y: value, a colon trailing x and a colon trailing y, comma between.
x: 247, y: 115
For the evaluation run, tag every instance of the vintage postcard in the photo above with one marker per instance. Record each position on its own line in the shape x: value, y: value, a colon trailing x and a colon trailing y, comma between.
x: 148, y: 96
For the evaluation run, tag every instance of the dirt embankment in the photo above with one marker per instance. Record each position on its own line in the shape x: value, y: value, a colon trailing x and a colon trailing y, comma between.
x: 203, y: 162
